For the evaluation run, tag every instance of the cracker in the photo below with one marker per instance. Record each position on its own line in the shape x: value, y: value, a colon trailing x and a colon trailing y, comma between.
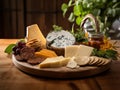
x: 82, y: 60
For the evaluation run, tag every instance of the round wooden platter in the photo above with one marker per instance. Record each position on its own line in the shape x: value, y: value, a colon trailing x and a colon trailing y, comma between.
x: 62, y: 72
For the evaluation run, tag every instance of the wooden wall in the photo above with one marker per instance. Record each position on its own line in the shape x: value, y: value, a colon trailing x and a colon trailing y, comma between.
x: 16, y: 15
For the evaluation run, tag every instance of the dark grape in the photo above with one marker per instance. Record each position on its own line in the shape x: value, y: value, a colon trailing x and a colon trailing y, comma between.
x: 21, y: 44
x: 16, y: 49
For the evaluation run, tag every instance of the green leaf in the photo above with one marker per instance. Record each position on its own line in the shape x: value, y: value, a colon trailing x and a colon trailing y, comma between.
x: 78, y: 20
x: 76, y: 10
x: 96, y: 12
x: 71, y: 17
x: 70, y: 3
x: 64, y: 8
x: 9, y: 48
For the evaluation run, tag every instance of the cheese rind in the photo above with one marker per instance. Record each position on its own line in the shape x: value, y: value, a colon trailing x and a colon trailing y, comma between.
x: 54, y: 62
x: 33, y: 32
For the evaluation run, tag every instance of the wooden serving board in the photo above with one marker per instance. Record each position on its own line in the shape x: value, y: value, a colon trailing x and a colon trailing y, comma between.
x: 62, y: 72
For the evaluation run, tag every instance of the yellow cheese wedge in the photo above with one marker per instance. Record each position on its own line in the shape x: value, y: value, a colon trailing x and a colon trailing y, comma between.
x: 33, y: 32
x: 54, y: 62
x: 45, y: 53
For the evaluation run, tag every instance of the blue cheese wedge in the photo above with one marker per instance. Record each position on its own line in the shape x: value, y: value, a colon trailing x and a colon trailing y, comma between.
x: 60, y: 39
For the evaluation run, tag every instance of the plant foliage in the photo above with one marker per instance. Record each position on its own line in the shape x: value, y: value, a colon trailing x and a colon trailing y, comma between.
x: 105, y: 10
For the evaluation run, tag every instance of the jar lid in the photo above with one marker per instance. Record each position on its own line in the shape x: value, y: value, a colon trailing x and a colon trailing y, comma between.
x: 96, y: 35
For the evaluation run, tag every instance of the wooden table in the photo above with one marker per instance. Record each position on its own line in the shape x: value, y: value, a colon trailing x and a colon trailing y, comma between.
x: 12, y: 78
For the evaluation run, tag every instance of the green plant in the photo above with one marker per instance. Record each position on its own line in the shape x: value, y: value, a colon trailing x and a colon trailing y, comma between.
x: 109, y: 53
x: 105, y: 10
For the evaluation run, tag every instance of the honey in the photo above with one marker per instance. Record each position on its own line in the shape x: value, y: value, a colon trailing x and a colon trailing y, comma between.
x: 95, y: 40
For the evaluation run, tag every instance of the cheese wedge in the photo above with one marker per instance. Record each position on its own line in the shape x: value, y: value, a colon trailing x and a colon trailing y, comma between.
x: 54, y: 62
x: 45, y: 53
x: 83, y: 51
x: 33, y: 32
x: 78, y: 50
x: 71, y: 50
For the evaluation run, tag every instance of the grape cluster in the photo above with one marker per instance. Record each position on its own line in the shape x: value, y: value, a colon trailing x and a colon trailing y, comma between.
x: 16, y: 49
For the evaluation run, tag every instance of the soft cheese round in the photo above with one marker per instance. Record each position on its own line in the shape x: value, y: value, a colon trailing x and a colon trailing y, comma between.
x: 60, y: 39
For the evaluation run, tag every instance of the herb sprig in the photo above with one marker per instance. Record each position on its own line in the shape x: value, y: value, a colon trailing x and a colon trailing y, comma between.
x: 109, y: 53
x: 57, y: 28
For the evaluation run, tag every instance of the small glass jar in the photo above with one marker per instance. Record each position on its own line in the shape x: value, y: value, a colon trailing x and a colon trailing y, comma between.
x: 96, y: 39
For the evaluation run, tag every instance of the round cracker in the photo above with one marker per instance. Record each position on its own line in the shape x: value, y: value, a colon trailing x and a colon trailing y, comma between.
x: 82, y: 60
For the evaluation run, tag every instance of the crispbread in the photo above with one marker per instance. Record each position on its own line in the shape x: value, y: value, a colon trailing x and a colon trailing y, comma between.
x: 91, y: 61
x: 104, y: 61
x: 98, y: 61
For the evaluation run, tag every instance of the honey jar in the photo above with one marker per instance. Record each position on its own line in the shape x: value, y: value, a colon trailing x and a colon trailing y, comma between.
x: 95, y: 40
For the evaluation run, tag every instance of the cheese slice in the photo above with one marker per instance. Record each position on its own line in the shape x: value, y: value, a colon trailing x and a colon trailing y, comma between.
x: 78, y: 50
x: 54, y: 62
x: 71, y: 50
x: 33, y: 32
x: 83, y: 50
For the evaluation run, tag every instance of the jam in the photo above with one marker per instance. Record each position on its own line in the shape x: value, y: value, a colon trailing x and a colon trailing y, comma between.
x: 95, y: 40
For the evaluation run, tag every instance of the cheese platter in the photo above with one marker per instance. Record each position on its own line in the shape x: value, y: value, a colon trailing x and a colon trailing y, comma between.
x: 58, y: 55
x: 61, y: 72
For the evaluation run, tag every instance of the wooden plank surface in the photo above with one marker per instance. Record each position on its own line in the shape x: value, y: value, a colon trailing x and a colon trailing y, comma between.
x: 12, y: 78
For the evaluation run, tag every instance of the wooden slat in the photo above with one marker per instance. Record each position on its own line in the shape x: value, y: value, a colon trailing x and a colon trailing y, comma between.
x: 18, y: 14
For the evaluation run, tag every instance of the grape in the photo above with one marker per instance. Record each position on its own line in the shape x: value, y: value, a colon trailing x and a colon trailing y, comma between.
x: 21, y: 44
x: 16, y: 49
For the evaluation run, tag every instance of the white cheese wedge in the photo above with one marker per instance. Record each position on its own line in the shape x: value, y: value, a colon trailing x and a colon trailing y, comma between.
x: 78, y: 50
x: 81, y: 54
x: 83, y: 51
x: 54, y: 62
x: 70, y: 51
x: 33, y: 32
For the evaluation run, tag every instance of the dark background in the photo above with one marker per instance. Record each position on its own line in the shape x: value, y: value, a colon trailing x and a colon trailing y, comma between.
x: 16, y: 15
